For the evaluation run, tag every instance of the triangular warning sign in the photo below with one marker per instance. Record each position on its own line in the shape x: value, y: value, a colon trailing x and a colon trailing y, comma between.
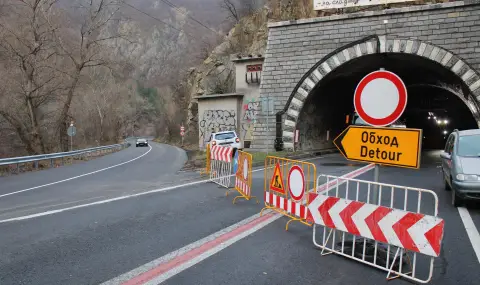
x: 276, y: 184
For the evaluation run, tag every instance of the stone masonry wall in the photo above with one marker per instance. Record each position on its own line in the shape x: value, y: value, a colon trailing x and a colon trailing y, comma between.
x: 295, y: 46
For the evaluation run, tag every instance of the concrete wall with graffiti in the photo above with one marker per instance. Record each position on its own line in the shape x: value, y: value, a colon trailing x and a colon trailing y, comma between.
x: 250, y: 110
x: 219, y: 113
x: 238, y: 111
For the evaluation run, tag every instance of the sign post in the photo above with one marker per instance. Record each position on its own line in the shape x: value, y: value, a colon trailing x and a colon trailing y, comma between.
x: 71, y: 132
x: 380, y: 100
x: 182, y: 132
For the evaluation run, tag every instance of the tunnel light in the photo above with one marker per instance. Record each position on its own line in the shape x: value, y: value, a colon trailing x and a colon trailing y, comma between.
x: 445, y: 132
x: 434, y: 118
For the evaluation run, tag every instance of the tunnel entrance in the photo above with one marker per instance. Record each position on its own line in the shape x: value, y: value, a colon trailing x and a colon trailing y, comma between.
x: 439, y: 101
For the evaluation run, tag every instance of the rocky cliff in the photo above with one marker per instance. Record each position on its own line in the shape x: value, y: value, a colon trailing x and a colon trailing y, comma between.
x: 216, y: 74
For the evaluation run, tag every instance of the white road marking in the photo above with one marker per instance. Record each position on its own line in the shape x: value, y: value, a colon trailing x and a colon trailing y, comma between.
x: 471, y: 229
x: 101, y: 202
x: 179, y: 252
x: 47, y: 213
x: 75, y: 177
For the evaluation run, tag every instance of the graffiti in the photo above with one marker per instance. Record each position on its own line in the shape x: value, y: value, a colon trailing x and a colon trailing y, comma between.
x: 215, y: 121
x: 251, y: 108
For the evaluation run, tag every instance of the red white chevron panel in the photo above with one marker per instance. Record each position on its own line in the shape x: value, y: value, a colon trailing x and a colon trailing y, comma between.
x: 412, y: 231
x: 242, y: 186
x: 294, y: 209
x: 221, y: 153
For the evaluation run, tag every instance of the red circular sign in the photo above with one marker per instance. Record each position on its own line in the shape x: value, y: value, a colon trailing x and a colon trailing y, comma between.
x: 296, y: 183
x: 380, y: 98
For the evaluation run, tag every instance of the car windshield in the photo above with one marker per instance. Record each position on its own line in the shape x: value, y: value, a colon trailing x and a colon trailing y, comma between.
x: 225, y: 136
x: 141, y: 140
x: 469, y: 145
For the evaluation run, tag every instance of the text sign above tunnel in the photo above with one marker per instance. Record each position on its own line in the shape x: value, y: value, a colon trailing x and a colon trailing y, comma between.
x: 388, y: 146
x: 380, y: 98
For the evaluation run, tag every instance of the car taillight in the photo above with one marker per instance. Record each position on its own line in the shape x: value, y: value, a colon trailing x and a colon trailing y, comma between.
x: 237, y: 140
x: 214, y: 142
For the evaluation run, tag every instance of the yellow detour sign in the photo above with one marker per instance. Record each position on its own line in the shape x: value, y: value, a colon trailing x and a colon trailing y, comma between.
x: 388, y: 146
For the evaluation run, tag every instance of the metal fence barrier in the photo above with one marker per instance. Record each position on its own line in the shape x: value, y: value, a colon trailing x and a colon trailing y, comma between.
x: 287, y: 183
x: 35, y: 159
x: 396, y: 230
x: 243, y: 176
x: 221, y: 165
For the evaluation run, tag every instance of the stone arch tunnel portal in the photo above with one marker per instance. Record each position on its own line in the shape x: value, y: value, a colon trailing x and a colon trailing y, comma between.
x: 439, y: 100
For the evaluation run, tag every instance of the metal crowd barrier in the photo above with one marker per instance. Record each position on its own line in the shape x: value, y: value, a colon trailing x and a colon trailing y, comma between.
x: 221, y: 165
x: 243, y: 176
x: 391, y: 227
x: 286, y: 187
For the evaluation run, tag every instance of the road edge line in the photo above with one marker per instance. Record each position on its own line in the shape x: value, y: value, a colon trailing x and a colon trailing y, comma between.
x: 75, y: 177
x: 471, y: 229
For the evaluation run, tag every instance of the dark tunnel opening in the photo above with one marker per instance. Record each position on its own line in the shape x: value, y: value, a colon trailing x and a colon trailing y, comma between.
x: 432, y: 105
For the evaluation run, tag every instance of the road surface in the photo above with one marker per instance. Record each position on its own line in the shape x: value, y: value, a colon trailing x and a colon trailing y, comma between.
x: 99, y: 227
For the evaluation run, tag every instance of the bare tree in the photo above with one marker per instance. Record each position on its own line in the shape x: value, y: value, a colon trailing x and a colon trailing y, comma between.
x: 236, y: 9
x: 231, y: 9
x: 26, y: 42
x: 83, y: 43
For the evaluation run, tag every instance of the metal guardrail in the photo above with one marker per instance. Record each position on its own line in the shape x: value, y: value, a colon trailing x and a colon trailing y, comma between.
x: 52, y: 156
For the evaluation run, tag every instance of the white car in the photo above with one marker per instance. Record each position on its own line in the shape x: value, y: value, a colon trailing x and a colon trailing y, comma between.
x: 141, y: 142
x: 228, y: 138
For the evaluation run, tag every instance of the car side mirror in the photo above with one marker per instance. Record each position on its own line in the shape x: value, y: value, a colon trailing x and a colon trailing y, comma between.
x: 445, y: 155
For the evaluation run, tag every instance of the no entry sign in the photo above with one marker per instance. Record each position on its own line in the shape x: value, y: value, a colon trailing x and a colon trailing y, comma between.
x: 380, y: 98
x: 296, y: 183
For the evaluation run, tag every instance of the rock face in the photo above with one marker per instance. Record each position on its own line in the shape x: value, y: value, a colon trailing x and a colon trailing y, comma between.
x: 216, y: 74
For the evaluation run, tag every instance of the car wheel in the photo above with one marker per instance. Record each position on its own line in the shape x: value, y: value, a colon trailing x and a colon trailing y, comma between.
x: 456, y: 201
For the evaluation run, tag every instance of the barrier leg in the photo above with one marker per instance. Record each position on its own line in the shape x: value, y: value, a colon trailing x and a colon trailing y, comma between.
x: 292, y: 219
x: 267, y: 207
x: 325, y: 243
x: 391, y: 267
x: 244, y: 197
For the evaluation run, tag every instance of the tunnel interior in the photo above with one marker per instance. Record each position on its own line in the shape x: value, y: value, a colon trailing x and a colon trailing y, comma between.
x: 433, y: 104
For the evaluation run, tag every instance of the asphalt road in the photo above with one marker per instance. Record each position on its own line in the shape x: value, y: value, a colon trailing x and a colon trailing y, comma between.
x: 93, y: 244
x: 121, y: 173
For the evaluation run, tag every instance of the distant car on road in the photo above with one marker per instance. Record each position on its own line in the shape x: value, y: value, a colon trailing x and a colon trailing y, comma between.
x: 141, y: 142
x: 228, y: 138
x: 461, y: 165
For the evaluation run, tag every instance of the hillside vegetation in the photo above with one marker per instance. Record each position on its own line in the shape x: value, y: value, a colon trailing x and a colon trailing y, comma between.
x: 118, y: 68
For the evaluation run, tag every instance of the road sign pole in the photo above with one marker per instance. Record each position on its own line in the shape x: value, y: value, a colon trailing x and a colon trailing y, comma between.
x: 71, y: 143
x: 376, y: 173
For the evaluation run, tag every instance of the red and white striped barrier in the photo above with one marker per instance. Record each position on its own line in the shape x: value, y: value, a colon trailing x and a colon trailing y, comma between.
x: 242, y: 186
x: 411, y: 231
x: 220, y: 165
x: 221, y: 153
x: 387, y: 231
x: 293, y: 208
